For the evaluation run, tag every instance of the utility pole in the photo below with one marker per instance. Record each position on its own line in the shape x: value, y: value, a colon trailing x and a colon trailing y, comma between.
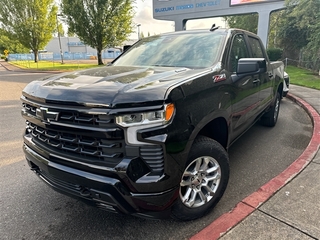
x: 138, y: 25
x: 61, y: 53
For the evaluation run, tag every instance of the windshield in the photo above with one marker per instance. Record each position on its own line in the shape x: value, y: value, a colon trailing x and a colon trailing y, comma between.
x: 192, y: 50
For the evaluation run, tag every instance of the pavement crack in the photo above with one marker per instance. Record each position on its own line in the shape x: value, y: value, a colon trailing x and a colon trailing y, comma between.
x: 289, y: 225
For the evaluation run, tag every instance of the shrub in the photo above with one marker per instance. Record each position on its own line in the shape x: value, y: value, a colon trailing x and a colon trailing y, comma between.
x: 274, y: 54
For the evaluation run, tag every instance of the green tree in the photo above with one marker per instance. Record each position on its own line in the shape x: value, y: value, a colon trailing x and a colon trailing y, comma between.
x: 298, y: 31
x: 99, y: 23
x: 291, y: 37
x: 273, y: 38
x: 12, y: 45
x: 247, y: 22
x: 306, y: 15
x: 32, y: 23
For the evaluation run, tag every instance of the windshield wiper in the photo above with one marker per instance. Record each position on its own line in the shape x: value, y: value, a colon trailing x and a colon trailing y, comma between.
x: 162, y: 65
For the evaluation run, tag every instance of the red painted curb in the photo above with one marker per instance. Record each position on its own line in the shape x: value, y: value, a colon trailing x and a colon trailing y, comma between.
x: 227, y: 221
x: 222, y: 224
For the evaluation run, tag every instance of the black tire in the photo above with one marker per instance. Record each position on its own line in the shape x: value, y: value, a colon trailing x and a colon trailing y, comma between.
x: 270, y: 118
x: 206, y: 183
x: 284, y: 94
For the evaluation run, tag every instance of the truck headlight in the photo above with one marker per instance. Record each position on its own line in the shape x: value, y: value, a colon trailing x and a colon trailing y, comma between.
x: 147, y: 118
x: 134, y: 122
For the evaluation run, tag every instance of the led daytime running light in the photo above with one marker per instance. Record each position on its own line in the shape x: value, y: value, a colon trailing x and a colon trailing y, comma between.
x: 134, y: 119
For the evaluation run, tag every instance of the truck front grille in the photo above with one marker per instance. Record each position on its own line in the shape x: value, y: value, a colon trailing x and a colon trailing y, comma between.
x: 76, y: 134
x: 77, y: 117
x: 79, y: 146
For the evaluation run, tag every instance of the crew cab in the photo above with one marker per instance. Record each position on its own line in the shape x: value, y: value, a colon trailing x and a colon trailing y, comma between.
x: 148, y: 135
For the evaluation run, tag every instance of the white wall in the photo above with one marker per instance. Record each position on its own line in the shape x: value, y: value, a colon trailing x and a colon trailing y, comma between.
x: 73, y: 45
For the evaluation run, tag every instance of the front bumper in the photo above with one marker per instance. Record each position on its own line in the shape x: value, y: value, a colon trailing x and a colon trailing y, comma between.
x: 286, y: 83
x: 83, y: 153
x: 107, y: 193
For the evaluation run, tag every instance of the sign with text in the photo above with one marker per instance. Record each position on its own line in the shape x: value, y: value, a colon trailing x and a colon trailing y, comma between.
x: 239, y: 2
x: 172, y: 7
x: 168, y: 9
x: 75, y: 44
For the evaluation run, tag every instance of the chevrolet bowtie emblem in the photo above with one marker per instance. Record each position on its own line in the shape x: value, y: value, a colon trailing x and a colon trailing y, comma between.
x: 45, y: 115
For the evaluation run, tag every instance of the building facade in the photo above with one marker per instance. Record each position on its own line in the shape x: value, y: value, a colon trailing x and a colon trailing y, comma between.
x: 73, y: 46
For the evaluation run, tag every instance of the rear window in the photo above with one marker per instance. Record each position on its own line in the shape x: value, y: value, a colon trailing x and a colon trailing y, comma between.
x: 185, y: 50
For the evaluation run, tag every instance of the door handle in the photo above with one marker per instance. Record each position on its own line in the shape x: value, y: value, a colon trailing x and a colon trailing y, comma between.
x: 256, y: 81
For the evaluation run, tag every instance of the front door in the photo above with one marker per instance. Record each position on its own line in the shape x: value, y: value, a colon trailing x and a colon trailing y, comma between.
x: 245, y: 91
x: 266, y: 79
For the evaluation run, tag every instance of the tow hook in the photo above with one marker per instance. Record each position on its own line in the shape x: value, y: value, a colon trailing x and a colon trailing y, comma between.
x: 85, y: 192
x: 35, y: 170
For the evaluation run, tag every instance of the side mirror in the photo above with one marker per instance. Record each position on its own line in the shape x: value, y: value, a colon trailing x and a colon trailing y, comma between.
x: 126, y: 47
x: 251, y: 66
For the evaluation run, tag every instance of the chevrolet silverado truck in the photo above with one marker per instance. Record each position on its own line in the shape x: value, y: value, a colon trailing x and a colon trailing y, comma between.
x: 148, y: 134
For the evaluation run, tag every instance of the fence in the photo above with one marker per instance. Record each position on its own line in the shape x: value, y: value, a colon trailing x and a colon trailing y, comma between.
x: 66, y: 56
x: 310, y: 65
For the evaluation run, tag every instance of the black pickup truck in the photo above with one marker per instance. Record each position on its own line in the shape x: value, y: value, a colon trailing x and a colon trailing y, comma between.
x: 148, y: 135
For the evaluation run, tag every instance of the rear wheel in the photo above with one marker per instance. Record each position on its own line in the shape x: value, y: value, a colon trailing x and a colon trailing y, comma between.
x: 270, y: 118
x: 203, y: 181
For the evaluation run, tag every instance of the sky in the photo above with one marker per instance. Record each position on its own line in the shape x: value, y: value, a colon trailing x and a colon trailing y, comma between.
x: 144, y: 16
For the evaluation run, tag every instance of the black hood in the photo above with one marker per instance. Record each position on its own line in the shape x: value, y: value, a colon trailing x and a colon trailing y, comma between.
x: 109, y: 86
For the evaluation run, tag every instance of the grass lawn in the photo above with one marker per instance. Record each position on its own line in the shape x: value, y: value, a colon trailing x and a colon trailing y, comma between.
x: 302, y: 77
x: 54, y: 66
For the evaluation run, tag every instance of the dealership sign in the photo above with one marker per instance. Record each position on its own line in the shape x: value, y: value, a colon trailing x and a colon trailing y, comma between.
x: 180, y: 11
x: 181, y: 7
x: 175, y: 7
x: 239, y: 2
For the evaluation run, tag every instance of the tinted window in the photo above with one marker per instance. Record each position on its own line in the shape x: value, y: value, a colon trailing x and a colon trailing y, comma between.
x: 184, y: 50
x: 256, y: 48
x: 238, y: 50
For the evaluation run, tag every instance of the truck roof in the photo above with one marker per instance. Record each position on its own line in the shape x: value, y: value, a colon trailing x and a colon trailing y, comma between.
x: 217, y: 30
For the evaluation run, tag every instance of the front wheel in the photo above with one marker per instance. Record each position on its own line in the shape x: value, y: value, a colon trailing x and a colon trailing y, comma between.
x: 203, y: 181
x: 270, y: 118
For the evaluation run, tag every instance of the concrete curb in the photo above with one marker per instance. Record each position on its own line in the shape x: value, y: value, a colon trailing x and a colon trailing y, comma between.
x: 248, y: 205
